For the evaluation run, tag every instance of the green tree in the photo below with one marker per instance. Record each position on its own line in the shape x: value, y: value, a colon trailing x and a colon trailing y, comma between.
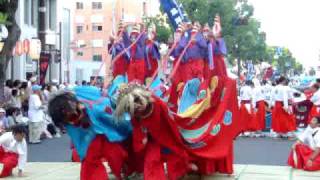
x: 298, y: 68
x: 283, y: 61
x: 164, y: 31
x: 8, y: 10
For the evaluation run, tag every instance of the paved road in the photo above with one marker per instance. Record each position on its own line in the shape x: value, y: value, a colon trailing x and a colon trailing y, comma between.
x: 261, y: 151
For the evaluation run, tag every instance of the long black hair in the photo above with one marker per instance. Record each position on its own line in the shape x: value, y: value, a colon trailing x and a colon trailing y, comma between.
x: 59, y: 105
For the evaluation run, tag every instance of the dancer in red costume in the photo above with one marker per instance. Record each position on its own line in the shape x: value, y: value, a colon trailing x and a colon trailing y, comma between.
x: 315, y: 99
x: 152, y: 52
x: 247, y: 107
x: 13, y: 151
x: 92, y: 133
x: 259, y: 103
x: 177, y: 80
x: 153, y: 133
x: 190, y: 50
x: 305, y: 153
x: 137, y: 65
x: 120, y: 66
x: 214, y: 64
x: 193, y: 60
x: 283, y: 121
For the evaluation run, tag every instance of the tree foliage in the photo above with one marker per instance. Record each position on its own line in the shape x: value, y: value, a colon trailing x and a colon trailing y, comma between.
x: 283, y: 61
x: 8, y: 10
x: 163, y: 30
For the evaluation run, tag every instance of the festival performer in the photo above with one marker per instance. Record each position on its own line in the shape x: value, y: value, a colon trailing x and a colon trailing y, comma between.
x: 246, y: 106
x: 152, y: 52
x: 87, y: 118
x: 315, y: 99
x: 191, y: 48
x: 310, y: 91
x: 283, y: 121
x: 214, y: 64
x: 259, y: 103
x: 13, y: 151
x: 272, y: 95
x: 301, y: 109
x: 152, y: 133
x: 305, y: 153
x: 266, y: 89
x: 177, y: 80
x: 193, y: 59
x: 120, y: 66
x: 137, y: 66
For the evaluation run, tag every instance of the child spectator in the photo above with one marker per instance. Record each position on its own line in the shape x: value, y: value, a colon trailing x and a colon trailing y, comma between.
x: 13, y: 151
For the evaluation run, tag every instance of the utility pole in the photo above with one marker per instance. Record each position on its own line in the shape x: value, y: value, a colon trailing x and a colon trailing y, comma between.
x: 60, y: 54
x: 42, y: 24
x: 42, y: 30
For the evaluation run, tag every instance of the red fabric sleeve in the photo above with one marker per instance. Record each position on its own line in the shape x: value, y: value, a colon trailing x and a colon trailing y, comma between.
x: 137, y: 136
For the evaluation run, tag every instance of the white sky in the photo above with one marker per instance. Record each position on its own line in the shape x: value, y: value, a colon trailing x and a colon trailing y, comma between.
x: 294, y: 24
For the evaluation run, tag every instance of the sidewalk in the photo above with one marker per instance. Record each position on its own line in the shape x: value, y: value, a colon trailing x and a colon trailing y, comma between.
x: 70, y: 171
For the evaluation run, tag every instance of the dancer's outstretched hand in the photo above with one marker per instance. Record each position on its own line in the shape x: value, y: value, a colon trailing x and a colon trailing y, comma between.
x: 217, y: 27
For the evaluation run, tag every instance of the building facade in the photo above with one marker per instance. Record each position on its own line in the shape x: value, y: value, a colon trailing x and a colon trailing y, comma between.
x: 94, y: 22
x: 27, y: 16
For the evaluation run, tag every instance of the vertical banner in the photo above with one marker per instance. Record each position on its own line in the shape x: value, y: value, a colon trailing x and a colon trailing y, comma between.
x: 44, y: 64
x: 174, y: 12
x: 251, y: 71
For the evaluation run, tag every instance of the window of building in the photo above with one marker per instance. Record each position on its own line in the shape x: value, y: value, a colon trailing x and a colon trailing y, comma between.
x: 79, y: 19
x: 79, y: 53
x: 97, y: 43
x: 96, y: 5
x: 96, y: 27
x: 97, y: 57
x: 97, y: 19
x: 79, y: 5
x: 81, y: 43
x: 79, y: 29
